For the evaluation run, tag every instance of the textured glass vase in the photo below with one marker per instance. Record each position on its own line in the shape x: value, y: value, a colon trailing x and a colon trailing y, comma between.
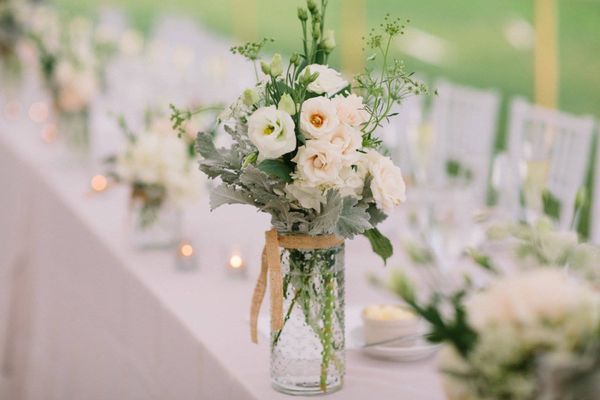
x: 307, y: 354
x: 155, y: 227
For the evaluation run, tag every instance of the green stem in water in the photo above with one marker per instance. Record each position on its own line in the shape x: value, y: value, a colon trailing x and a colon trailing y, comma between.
x: 326, y: 335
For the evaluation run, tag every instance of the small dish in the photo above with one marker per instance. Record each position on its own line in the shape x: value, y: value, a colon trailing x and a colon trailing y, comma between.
x: 421, y: 349
x: 394, y: 326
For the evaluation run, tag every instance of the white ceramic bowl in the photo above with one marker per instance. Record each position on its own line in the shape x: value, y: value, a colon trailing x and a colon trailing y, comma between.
x: 381, y: 330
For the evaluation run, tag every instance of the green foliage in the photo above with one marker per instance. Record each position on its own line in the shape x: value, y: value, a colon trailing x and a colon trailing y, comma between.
x: 251, y: 50
x: 277, y: 168
x: 380, y: 244
x: 390, y: 86
x: 449, y: 327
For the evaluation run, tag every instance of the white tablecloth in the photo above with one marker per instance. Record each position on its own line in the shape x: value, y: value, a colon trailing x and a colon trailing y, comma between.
x: 84, y: 316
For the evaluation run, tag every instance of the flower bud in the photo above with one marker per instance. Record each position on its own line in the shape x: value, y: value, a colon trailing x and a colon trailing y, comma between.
x: 328, y: 41
x: 266, y: 69
x: 250, y: 97
x: 312, y: 6
x: 276, y: 65
x: 295, y: 59
x: 316, y: 32
x: 302, y: 14
x: 286, y: 103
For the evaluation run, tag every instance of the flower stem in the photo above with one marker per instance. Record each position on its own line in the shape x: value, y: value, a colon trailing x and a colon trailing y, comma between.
x: 326, y: 335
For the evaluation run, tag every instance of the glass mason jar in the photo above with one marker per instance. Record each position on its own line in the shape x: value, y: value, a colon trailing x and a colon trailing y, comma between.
x: 156, y: 223
x: 74, y: 128
x: 307, y: 354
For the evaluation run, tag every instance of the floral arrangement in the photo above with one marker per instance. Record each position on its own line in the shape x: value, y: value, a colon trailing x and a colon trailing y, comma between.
x: 12, y: 32
x: 304, y: 145
x: 501, y: 341
x: 159, y: 168
x: 72, y: 57
x: 304, y: 149
x: 540, y: 243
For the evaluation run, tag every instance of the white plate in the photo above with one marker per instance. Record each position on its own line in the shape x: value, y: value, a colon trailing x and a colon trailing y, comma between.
x: 421, y: 350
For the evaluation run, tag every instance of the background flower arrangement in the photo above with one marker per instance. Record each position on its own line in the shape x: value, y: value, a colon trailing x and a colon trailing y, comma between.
x: 12, y: 33
x: 159, y: 168
x: 507, y: 340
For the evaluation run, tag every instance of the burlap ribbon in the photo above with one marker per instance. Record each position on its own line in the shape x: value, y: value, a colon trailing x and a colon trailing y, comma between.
x: 270, y: 264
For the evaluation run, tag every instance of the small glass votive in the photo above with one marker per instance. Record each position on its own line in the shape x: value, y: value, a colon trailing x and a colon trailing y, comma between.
x: 186, y: 259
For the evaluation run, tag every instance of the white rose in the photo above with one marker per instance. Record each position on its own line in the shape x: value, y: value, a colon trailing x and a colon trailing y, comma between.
x: 347, y: 140
x: 387, y: 184
x: 307, y: 196
x: 328, y: 82
x: 352, y: 181
x: 272, y: 132
x: 318, y: 163
x: 318, y: 117
x: 351, y: 110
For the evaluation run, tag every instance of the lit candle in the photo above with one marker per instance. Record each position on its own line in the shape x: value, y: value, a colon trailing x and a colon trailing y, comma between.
x: 99, y: 183
x: 186, y: 256
x: 236, y: 266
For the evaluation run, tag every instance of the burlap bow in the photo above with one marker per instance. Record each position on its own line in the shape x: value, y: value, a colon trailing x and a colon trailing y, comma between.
x: 270, y: 263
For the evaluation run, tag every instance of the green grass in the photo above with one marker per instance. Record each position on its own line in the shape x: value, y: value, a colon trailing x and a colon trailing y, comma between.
x: 474, y: 30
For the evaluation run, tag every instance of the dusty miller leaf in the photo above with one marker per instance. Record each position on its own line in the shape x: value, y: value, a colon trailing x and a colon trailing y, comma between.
x: 354, y: 218
x: 224, y: 194
x: 326, y: 221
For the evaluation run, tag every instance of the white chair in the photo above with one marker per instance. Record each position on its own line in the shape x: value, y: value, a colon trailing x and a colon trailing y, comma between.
x: 400, y: 135
x: 553, y: 144
x: 464, y: 124
x: 595, y: 225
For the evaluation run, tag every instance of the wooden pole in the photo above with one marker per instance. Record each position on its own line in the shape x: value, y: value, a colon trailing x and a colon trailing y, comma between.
x: 353, y: 17
x: 546, y: 75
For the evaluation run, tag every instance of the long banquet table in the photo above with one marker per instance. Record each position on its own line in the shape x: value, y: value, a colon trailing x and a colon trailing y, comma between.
x: 83, y: 315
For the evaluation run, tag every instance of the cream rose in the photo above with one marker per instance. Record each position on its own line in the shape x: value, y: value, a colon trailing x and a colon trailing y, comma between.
x: 307, y: 196
x: 352, y: 181
x: 328, y: 82
x: 347, y: 140
x: 272, y: 132
x: 351, y: 110
x: 76, y: 93
x: 318, y: 117
x: 318, y: 163
x: 387, y: 185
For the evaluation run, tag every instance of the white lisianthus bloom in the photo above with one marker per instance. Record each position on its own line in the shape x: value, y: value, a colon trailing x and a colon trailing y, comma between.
x: 347, y: 140
x: 351, y: 110
x: 544, y: 296
x: 328, y: 82
x: 272, y: 132
x: 318, y: 117
x: 387, y: 185
x: 318, y: 163
x: 75, y: 94
x: 307, y: 196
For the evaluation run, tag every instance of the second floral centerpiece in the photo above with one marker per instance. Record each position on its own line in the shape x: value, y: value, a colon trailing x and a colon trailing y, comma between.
x: 304, y: 149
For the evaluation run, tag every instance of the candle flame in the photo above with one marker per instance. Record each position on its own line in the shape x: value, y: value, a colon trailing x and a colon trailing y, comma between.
x: 99, y: 183
x: 236, y: 261
x: 186, y: 250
